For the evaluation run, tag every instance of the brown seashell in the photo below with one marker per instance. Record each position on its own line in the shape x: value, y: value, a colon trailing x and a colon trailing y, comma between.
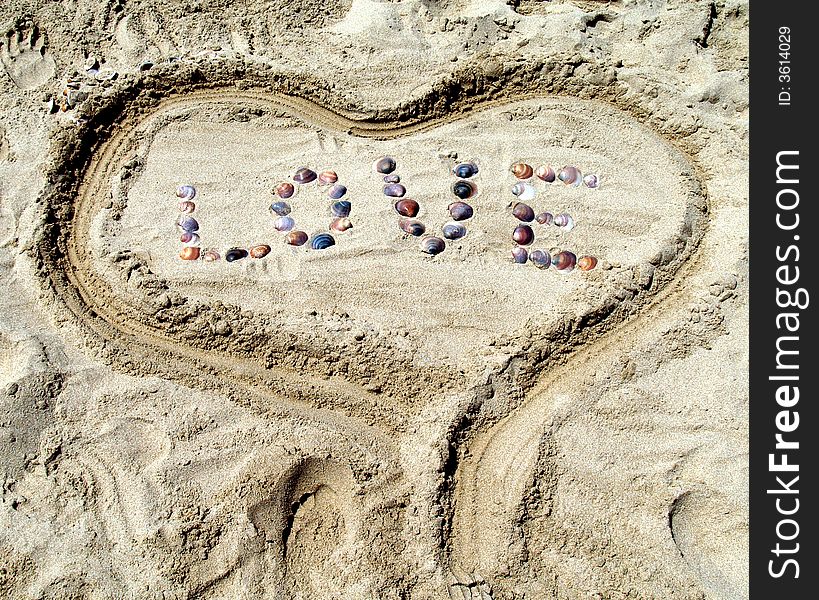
x: 341, y: 224
x: 586, y: 263
x: 523, y: 212
x: 296, y: 238
x: 284, y: 189
x: 327, y: 177
x: 189, y: 253
x: 523, y: 235
x: 545, y: 173
x: 259, y: 250
x: 407, y: 207
x: 522, y: 170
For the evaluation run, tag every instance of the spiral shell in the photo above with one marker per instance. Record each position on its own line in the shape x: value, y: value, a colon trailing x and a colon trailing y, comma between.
x: 284, y: 224
x: 545, y: 218
x: 591, y: 181
x: 453, y: 231
x: 412, y: 226
x: 235, y: 254
x: 259, y: 250
x: 385, y: 164
x: 341, y: 224
x: 284, y: 189
x: 304, y: 175
x: 189, y: 253
x: 523, y: 235
x: 464, y: 189
x: 394, y: 190
x: 545, y: 173
x: 327, y: 177
x: 540, y: 259
x: 322, y: 241
x: 524, y: 191
x: 586, y: 263
x: 520, y: 255
x: 407, y: 207
x: 187, y: 207
x: 564, y: 261
x: 465, y: 170
x: 570, y: 176
x: 211, y: 256
x: 523, y: 212
x: 189, y: 239
x: 280, y: 208
x: 392, y: 178
x: 186, y: 192
x: 522, y: 170
x: 564, y: 221
x: 337, y: 191
x: 460, y: 211
x: 432, y: 245
x: 187, y: 223
x: 295, y: 238
x: 341, y: 208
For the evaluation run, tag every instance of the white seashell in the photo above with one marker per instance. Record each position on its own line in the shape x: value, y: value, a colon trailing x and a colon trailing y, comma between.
x: 524, y: 191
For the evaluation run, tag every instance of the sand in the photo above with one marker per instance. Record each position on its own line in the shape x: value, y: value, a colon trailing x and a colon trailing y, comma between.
x: 368, y: 421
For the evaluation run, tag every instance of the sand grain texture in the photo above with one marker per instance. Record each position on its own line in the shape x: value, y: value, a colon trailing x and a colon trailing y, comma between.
x: 368, y: 421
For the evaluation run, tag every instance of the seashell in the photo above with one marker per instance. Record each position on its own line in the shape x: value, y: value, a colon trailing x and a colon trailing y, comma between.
x: 189, y: 239
x: 385, y: 164
x: 460, y: 211
x: 520, y: 255
x: 235, y: 254
x: 464, y: 189
x: 523, y: 235
x: 295, y: 238
x: 454, y: 231
x: 545, y: 173
x: 465, y: 170
x: 187, y: 207
x: 570, y: 176
x: 412, y: 226
x: 407, y: 207
x: 284, y: 224
x: 188, y: 192
x: 540, y: 259
x: 189, y: 253
x: 304, y: 175
x: 187, y: 223
x: 591, y: 181
x: 394, y: 190
x: 341, y: 224
x: 337, y: 191
x: 545, y: 218
x: 392, y: 179
x: 341, y: 208
x: 564, y: 261
x: 564, y: 221
x: 322, y: 241
x: 432, y: 245
x: 586, y: 263
x: 211, y: 256
x: 523, y: 212
x: 280, y: 208
x: 284, y: 190
x: 259, y: 250
x: 522, y: 170
x: 524, y: 191
x: 327, y: 177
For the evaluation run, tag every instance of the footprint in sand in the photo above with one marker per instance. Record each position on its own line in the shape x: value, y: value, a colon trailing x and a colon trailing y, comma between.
x: 25, y: 57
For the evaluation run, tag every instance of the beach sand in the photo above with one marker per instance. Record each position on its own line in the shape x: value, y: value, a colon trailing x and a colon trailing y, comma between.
x: 367, y: 420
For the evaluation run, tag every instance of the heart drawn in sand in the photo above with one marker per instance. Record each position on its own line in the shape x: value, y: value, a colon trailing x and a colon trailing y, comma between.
x: 371, y: 310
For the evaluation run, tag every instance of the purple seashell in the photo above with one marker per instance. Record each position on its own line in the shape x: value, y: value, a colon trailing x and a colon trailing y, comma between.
x: 284, y: 224
x: 304, y: 175
x: 392, y: 179
x: 187, y: 223
x: 395, y: 190
x: 520, y: 255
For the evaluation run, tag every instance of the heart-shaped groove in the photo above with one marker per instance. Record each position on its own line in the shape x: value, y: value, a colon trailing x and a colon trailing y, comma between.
x: 144, y: 318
